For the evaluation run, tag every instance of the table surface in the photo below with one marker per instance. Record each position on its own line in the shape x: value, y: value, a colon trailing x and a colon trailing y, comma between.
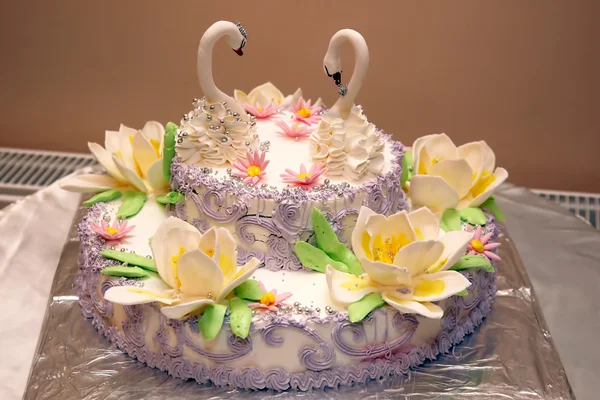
x: 558, y: 249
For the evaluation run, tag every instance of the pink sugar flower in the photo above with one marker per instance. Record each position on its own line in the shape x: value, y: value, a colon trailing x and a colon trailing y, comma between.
x: 270, y: 300
x: 303, y: 178
x: 252, y: 168
x: 262, y: 112
x: 481, y: 245
x: 306, y: 113
x: 112, y: 233
x: 294, y: 131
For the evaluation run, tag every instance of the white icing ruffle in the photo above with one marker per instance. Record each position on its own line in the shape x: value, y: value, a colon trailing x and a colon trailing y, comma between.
x: 212, y: 135
x: 350, y: 147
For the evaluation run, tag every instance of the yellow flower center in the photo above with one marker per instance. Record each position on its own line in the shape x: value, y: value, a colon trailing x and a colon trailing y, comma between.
x: 427, y: 288
x: 268, y: 299
x: 156, y: 145
x: 304, y: 176
x: 304, y: 112
x: 259, y: 109
x: 174, y: 261
x: 253, y: 170
x: 209, y: 252
x: 483, y: 183
x: 111, y: 231
x: 138, y: 169
x: 385, y: 250
x: 477, y: 246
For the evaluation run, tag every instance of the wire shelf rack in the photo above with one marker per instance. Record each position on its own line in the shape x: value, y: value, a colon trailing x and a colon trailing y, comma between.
x: 584, y: 205
x: 23, y: 172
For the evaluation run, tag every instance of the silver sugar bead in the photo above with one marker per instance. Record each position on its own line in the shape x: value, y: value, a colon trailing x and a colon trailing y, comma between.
x: 149, y: 257
x: 194, y: 101
x: 221, y: 120
x: 112, y: 247
x: 212, y: 107
x: 224, y: 103
x: 123, y: 249
x: 317, y: 309
x: 229, y: 171
x: 236, y: 114
x: 327, y: 181
x: 227, y: 132
x: 224, y: 140
x: 297, y: 304
x: 210, y: 296
x: 180, y: 140
x: 132, y: 252
x: 184, y: 134
x: 247, y: 144
x: 208, y: 116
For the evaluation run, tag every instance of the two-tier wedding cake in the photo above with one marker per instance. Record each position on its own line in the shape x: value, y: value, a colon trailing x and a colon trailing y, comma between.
x: 269, y: 242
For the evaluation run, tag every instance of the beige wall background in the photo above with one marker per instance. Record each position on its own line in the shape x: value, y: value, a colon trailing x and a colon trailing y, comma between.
x: 523, y: 75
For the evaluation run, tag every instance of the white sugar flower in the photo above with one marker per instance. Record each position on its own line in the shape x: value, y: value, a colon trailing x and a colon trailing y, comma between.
x: 405, y: 257
x: 195, y: 270
x: 447, y: 176
x: 131, y: 157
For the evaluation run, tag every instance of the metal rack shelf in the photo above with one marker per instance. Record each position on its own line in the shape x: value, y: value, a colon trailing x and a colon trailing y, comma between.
x: 584, y: 205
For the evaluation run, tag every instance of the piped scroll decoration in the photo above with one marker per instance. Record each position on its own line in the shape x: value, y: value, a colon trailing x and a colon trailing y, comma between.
x: 405, y: 326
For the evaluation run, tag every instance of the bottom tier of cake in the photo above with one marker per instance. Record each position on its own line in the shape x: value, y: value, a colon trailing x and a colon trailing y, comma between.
x: 308, y: 346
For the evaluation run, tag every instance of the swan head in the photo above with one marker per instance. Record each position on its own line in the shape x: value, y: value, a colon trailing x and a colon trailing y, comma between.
x: 333, y: 68
x: 237, y: 40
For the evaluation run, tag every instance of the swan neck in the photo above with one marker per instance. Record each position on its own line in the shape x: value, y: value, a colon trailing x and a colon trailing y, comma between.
x: 361, y: 66
x: 204, y: 64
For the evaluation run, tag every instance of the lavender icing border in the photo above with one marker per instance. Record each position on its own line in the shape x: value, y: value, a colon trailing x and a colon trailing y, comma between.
x: 462, y: 315
x: 224, y: 200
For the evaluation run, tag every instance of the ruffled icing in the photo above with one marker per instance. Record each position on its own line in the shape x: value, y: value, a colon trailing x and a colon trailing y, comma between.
x: 211, y: 134
x: 349, y: 148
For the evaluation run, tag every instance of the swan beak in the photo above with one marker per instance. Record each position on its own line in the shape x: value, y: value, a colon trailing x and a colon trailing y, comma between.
x: 337, y: 78
x: 239, y: 51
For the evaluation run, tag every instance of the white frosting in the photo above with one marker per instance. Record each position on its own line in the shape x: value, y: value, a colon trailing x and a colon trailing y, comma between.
x: 213, y: 135
x: 350, y: 148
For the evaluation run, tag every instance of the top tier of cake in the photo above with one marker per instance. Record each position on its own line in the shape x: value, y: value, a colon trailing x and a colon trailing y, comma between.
x: 260, y: 183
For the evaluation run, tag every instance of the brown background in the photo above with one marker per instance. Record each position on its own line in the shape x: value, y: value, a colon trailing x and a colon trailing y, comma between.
x: 523, y: 75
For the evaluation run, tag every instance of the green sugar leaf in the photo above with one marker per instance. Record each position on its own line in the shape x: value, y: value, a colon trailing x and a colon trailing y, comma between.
x: 451, y: 220
x: 169, y: 149
x: 407, y: 167
x: 249, y: 290
x: 358, y: 310
x: 128, y: 272
x: 211, y: 321
x: 132, y: 204
x: 170, y: 198
x: 240, y: 318
x: 130, y: 259
x: 491, y: 205
x: 328, y: 241
x: 316, y: 259
x: 473, y: 215
x: 103, y: 197
x: 462, y: 293
x: 467, y: 262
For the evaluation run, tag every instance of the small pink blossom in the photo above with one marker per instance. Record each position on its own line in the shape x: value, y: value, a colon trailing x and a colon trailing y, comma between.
x: 252, y: 168
x: 303, y: 178
x: 270, y: 300
x: 306, y: 113
x: 481, y: 245
x: 262, y: 112
x: 294, y: 131
x: 112, y: 233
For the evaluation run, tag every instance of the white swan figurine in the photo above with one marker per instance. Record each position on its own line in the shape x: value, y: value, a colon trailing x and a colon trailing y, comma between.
x: 345, y: 142
x: 333, y: 68
x: 236, y: 38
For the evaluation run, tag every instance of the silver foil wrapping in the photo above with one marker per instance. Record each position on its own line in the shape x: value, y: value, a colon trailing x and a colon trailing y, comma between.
x: 511, y: 356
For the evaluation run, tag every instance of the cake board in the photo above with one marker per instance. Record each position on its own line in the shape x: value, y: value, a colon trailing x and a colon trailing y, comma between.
x: 511, y: 355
